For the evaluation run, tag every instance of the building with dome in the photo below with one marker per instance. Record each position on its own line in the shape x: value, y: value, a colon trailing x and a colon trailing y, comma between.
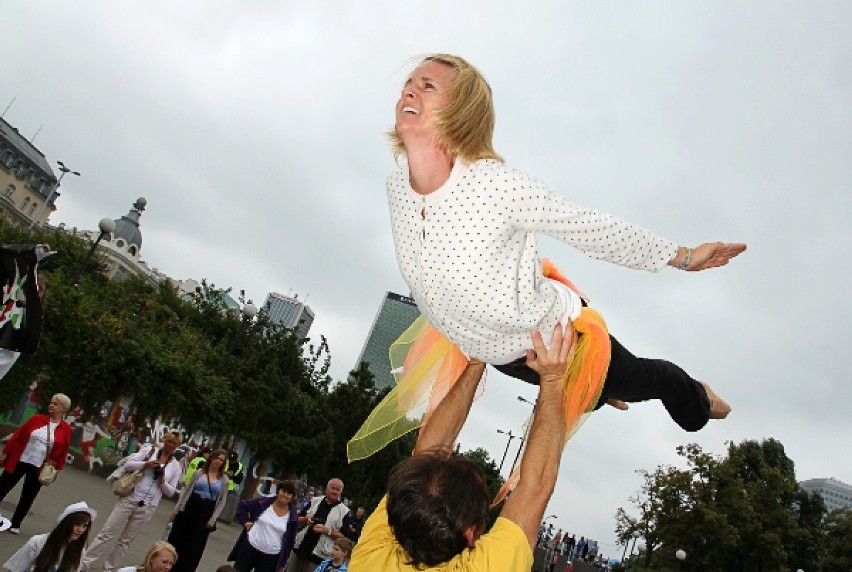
x: 122, y: 248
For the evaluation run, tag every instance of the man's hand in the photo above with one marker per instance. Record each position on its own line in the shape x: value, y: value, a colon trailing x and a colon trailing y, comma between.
x: 550, y: 363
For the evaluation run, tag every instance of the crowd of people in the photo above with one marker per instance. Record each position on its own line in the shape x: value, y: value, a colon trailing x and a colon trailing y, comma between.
x: 564, y: 547
x: 279, y: 533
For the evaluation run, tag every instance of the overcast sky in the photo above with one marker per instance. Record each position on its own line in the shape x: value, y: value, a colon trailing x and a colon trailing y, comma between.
x: 255, y: 130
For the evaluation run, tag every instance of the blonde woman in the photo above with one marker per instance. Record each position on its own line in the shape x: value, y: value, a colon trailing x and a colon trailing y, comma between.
x: 465, y: 224
x: 160, y: 476
x: 43, y: 439
x: 200, y: 504
x: 160, y: 558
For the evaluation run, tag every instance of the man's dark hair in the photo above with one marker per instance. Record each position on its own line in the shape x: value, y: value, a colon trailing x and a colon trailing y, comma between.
x: 432, y: 501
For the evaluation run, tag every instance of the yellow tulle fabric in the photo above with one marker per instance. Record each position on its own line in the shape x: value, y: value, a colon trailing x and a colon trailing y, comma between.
x: 426, y: 365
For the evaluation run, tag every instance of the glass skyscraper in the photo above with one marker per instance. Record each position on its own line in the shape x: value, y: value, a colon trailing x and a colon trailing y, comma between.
x: 395, y: 315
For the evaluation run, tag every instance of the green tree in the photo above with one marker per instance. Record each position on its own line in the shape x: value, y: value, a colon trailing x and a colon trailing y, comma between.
x: 744, y: 511
x: 836, y: 549
x: 493, y: 480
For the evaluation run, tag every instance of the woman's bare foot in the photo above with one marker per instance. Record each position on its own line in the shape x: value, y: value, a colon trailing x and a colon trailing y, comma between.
x: 719, y: 408
x: 617, y: 403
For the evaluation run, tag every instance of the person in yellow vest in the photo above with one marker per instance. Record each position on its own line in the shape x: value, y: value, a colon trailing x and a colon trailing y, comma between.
x: 196, y: 463
x: 234, y: 470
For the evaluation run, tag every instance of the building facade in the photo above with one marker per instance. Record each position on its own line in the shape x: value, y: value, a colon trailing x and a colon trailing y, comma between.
x: 26, y: 179
x: 395, y: 315
x: 289, y: 312
x: 836, y: 494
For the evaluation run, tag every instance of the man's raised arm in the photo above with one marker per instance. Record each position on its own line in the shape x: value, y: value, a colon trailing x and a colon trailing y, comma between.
x: 540, y: 465
x: 441, y: 430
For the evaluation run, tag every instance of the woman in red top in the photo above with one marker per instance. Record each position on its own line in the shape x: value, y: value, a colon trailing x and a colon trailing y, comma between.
x: 42, y: 439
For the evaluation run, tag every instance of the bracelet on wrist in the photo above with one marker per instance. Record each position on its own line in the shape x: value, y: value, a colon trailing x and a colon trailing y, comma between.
x: 686, y: 260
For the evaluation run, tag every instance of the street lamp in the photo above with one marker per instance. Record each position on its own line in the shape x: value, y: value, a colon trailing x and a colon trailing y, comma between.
x: 248, y: 312
x: 681, y: 556
x: 526, y: 431
x: 636, y: 535
x: 106, y: 226
x: 509, y: 442
x: 52, y: 192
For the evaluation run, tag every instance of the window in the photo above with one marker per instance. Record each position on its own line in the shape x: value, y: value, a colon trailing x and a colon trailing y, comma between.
x: 33, y: 208
x: 25, y: 202
x: 9, y: 190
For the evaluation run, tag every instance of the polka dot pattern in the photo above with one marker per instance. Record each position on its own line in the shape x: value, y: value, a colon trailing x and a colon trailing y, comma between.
x: 468, y: 253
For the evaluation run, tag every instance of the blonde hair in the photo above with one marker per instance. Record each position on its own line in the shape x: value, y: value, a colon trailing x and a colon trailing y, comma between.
x: 465, y: 126
x: 156, y: 548
x: 173, y: 434
x: 64, y: 400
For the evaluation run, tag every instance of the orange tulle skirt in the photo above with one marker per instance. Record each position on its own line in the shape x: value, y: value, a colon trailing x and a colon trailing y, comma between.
x: 426, y: 365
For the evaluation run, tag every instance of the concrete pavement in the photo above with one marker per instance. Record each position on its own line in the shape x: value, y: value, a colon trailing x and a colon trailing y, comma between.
x: 73, y: 486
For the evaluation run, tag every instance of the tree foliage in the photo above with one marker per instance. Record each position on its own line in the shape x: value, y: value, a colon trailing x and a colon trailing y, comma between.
x: 744, y: 511
x: 187, y: 361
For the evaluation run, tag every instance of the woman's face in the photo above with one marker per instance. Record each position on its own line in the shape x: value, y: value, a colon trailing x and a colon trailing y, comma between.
x: 284, y: 497
x: 162, y: 561
x: 217, y: 461
x: 55, y: 406
x: 424, y: 93
x: 79, y: 530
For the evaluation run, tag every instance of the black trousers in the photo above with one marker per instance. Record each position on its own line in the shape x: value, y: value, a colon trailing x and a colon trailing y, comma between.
x: 250, y: 558
x: 633, y: 379
x: 30, y: 490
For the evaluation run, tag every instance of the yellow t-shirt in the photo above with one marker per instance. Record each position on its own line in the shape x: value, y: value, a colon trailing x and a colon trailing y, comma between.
x: 504, y: 548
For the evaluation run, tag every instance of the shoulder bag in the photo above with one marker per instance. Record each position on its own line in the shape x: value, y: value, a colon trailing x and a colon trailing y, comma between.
x: 47, y: 474
x: 124, y: 485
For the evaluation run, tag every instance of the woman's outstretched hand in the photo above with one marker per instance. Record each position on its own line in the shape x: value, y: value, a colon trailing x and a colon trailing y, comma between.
x: 707, y: 255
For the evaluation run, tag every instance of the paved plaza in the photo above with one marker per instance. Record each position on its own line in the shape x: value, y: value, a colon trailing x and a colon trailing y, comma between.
x: 73, y: 486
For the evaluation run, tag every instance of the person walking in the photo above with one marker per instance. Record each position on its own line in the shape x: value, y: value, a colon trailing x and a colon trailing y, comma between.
x: 42, y: 440
x: 62, y: 549
x: 160, y: 476
x: 200, y: 504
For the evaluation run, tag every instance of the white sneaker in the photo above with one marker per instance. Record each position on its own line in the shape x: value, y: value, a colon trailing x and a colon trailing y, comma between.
x: 15, y: 530
x: 5, y: 524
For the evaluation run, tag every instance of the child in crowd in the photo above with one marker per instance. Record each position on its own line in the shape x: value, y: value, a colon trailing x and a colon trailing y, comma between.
x: 339, y: 556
